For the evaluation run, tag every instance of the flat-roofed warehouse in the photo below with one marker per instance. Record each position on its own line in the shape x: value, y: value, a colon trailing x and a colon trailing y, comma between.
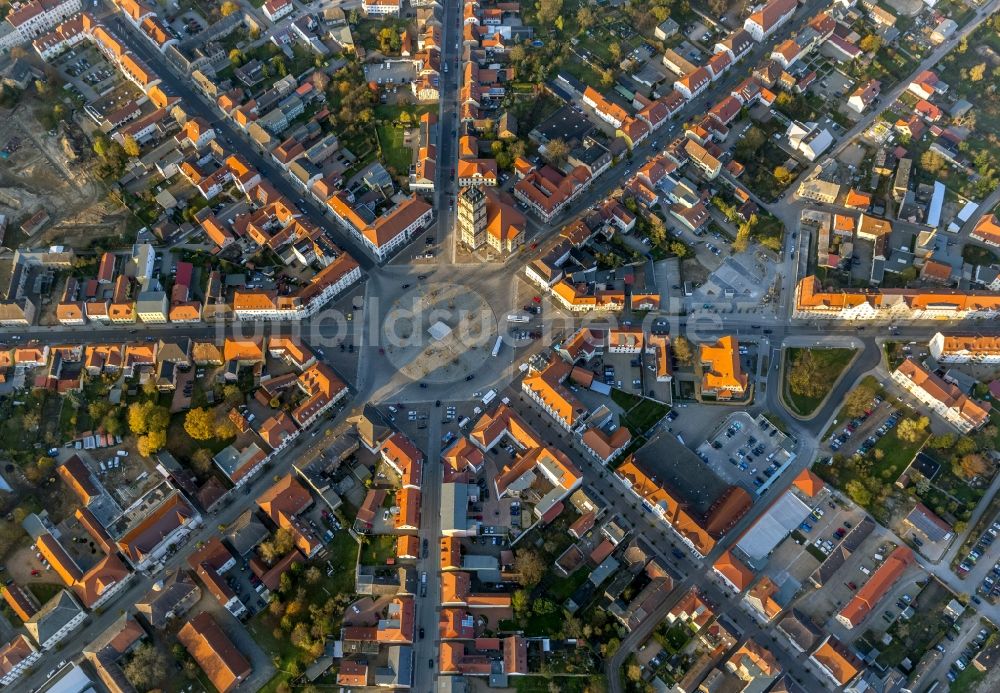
x: 784, y: 515
x: 454, y: 511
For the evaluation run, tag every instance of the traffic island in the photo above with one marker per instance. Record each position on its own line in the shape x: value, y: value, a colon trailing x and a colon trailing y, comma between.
x: 810, y: 375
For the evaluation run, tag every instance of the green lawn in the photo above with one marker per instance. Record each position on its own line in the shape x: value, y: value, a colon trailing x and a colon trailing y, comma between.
x: 673, y: 638
x: 378, y: 549
x: 641, y: 417
x: 44, y: 591
x: 391, y: 126
x: 639, y: 413
x: 967, y: 680
x: 540, y: 684
x: 897, y: 454
x: 831, y: 362
x: 396, y: 155
x: 535, y: 624
x: 562, y: 588
x: 264, y: 626
x: 914, y: 637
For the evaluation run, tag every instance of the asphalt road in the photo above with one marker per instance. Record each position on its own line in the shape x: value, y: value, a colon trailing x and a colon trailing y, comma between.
x: 302, y: 452
x: 196, y: 104
x: 375, y: 374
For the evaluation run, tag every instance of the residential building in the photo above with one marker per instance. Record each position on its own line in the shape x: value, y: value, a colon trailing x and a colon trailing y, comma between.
x: 987, y: 230
x: 214, y: 652
x: 944, y: 399
x: 278, y: 9
x: 872, y: 592
x: 964, y: 348
x: 283, y: 503
x: 836, y: 661
x: 699, y: 515
x: 809, y: 139
x: 854, y: 304
x: 59, y: 617
x: 722, y: 375
x: 30, y: 20
x: 170, y: 598
x: 381, y: 8
x: 864, y: 96
x: 384, y: 235
x: 693, y: 83
x: 16, y: 657
x: 768, y: 18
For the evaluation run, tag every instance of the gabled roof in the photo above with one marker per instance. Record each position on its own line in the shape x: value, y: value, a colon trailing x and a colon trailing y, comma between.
x: 838, y: 660
x: 878, y: 585
x: 214, y: 652
x: 734, y: 571
x: 287, y: 496
x: 148, y: 534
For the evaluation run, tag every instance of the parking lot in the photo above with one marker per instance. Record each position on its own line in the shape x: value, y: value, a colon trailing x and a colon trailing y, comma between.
x: 625, y: 372
x: 89, y: 73
x: 983, y: 553
x: 746, y: 451
x: 862, y: 433
x: 824, y: 603
x: 829, y: 521
x: 391, y: 72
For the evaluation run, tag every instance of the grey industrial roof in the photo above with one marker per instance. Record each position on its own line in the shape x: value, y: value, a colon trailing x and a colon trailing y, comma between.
x: 773, y: 526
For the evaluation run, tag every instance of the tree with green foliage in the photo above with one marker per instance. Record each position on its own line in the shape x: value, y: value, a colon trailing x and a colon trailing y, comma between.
x: 233, y: 395
x: 585, y: 18
x: 945, y: 441
x: 679, y: 249
x: 520, y: 601
x: 858, y: 493
x: 805, y: 376
x: 965, y: 446
x: 389, y: 40
x: 682, y: 349
x: 280, y: 543
x: 870, y: 43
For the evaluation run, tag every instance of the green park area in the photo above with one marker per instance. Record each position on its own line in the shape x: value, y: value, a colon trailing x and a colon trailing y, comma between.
x: 810, y: 374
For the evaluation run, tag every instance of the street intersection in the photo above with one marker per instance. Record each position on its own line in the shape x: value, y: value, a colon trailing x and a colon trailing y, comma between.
x: 380, y: 370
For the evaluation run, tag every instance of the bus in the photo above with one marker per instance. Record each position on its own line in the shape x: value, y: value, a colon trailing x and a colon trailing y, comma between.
x: 496, y: 347
x: 517, y: 317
